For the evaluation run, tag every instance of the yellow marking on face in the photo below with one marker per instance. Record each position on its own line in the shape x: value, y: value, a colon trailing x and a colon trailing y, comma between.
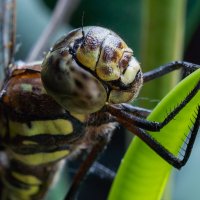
x: 112, y: 50
x: 108, y: 72
x: 28, y: 179
x: 88, y: 53
x: 80, y: 117
x: 131, y: 72
x: 88, y: 58
x: 40, y: 158
x: 117, y: 96
x: 54, y: 127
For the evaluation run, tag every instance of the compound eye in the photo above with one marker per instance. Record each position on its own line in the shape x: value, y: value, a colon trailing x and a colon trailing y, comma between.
x: 71, y: 86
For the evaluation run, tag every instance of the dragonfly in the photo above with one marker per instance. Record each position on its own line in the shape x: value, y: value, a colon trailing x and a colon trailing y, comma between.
x: 72, y: 101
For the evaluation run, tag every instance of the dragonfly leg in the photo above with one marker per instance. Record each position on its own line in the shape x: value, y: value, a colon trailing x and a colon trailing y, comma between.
x: 137, y: 111
x: 165, y: 69
x: 123, y: 115
x: 161, y: 150
x: 96, y: 150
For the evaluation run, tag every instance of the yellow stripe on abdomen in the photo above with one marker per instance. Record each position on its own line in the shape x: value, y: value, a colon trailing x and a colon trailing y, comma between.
x: 16, y: 193
x: 28, y: 179
x: 54, y: 127
x: 40, y: 158
x: 32, y: 186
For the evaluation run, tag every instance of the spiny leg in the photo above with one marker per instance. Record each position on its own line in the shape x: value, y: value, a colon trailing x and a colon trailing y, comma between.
x: 165, y: 69
x: 161, y: 150
x: 150, y: 125
x: 96, y: 150
x: 137, y: 111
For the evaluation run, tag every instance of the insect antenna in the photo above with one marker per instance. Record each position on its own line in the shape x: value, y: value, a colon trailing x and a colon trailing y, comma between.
x: 82, y: 22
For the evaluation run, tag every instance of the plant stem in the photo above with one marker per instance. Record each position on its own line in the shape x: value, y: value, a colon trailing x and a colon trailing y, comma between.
x: 162, y: 41
x: 62, y: 13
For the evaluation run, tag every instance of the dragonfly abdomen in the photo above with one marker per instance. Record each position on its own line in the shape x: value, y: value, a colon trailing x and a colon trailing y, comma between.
x: 36, y: 134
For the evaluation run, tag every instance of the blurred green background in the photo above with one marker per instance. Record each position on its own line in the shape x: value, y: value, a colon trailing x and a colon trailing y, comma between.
x: 128, y: 18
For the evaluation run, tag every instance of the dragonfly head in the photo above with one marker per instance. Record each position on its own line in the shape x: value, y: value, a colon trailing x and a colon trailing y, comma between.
x: 89, y: 68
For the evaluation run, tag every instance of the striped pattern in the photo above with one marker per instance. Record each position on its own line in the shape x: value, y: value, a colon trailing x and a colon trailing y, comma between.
x: 33, y: 185
x: 36, y: 133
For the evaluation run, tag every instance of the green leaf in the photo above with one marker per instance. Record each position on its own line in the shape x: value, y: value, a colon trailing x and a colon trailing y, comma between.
x: 142, y: 173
